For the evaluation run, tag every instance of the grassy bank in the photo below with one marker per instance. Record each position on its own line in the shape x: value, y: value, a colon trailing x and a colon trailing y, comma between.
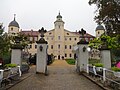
x: 70, y: 61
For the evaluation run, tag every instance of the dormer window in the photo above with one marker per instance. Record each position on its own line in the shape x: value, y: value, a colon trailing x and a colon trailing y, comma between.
x: 67, y: 33
x: 50, y: 33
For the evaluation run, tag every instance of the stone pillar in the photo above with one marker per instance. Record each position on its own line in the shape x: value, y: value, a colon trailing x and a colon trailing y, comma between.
x: 105, y: 54
x: 105, y: 58
x: 83, y: 57
x: 82, y: 52
x: 41, y: 63
x: 16, y: 56
x: 41, y: 60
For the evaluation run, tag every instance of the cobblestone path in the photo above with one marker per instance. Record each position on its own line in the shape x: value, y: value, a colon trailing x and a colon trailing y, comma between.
x: 61, y: 77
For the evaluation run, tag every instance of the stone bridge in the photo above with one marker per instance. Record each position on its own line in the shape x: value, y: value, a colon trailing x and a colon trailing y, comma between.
x: 61, y: 77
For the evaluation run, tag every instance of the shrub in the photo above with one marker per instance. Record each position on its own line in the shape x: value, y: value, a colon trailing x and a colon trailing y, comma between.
x: 98, y: 64
x: 10, y: 65
x: 116, y: 69
x: 93, y: 61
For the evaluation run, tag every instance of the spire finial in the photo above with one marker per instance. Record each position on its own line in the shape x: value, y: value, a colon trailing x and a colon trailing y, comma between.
x: 59, y: 12
x: 14, y: 16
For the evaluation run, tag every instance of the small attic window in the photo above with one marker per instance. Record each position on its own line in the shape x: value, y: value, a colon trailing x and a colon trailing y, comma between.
x: 50, y: 33
x: 67, y: 33
x: 98, y: 32
x: 11, y: 29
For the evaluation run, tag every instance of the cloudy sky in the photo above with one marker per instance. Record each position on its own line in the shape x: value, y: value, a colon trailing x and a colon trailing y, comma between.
x: 34, y: 14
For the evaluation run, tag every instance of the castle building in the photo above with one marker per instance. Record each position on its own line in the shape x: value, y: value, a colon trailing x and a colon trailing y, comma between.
x: 60, y: 40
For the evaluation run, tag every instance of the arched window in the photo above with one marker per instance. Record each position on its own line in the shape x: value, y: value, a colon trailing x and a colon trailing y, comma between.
x: 65, y: 55
x: 58, y: 37
x: 58, y: 46
x: 70, y: 47
x: 98, y: 32
x: 12, y: 29
x: 51, y: 46
x: 75, y: 39
x: 65, y: 46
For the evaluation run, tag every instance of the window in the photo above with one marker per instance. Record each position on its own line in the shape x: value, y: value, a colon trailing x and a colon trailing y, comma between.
x: 91, y: 38
x: 51, y: 38
x: 51, y: 46
x: 75, y: 39
x: 58, y: 46
x: 65, y: 46
x: 70, y: 39
x: 59, y: 26
x: 35, y: 46
x: 65, y: 39
x: 30, y: 46
x: 98, y: 32
x: 35, y: 38
x: 50, y: 33
x: 11, y: 29
x: 67, y: 33
x: 58, y: 37
x: 70, y: 55
x: 31, y: 39
x: 65, y: 55
x: 70, y: 47
x: 86, y: 39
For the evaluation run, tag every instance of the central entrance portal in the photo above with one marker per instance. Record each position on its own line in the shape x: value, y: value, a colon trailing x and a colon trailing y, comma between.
x: 58, y: 56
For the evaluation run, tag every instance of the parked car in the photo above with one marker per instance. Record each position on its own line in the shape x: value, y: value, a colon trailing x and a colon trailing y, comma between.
x: 32, y: 59
x: 49, y: 61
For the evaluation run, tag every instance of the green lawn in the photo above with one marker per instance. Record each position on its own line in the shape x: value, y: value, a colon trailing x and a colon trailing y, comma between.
x: 70, y: 61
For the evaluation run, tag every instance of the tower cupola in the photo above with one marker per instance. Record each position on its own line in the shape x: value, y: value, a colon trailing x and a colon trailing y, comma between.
x: 14, y: 23
x: 59, y: 16
x: 99, y: 30
x: 13, y: 27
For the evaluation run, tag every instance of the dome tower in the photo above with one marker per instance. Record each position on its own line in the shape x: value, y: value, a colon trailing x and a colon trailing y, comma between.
x: 13, y: 27
x: 99, y: 30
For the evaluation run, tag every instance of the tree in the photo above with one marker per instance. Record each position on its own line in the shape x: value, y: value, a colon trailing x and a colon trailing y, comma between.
x: 108, y: 13
x: 4, y: 46
x: 110, y: 42
x: 95, y: 43
x: 4, y: 42
x: 20, y: 40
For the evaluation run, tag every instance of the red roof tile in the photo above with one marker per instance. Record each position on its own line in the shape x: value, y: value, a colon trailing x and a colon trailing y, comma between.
x: 30, y: 33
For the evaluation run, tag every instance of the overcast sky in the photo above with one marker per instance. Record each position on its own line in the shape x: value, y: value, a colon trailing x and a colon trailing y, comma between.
x: 34, y: 14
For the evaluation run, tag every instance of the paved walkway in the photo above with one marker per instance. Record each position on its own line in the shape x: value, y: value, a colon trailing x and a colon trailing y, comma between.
x: 61, y: 77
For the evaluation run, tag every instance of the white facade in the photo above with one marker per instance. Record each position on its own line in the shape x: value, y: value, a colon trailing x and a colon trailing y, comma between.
x: 60, y: 40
